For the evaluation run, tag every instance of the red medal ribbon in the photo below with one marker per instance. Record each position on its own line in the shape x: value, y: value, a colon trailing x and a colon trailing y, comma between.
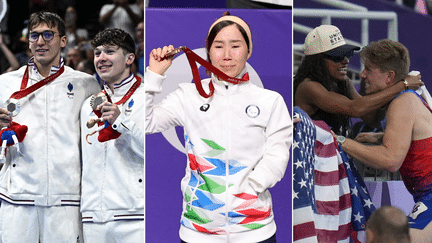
x: 106, y: 132
x: 130, y: 92
x: 26, y: 91
x: 193, y: 58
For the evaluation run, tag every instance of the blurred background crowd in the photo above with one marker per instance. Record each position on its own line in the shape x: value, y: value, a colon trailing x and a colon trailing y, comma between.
x: 83, y: 21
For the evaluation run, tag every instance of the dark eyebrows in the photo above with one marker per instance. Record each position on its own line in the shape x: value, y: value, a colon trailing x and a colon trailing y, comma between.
x: 230, y: 41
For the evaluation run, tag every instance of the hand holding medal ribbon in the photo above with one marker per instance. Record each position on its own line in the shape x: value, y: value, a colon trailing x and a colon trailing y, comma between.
x: 106, y: 132
x: 193, y: 58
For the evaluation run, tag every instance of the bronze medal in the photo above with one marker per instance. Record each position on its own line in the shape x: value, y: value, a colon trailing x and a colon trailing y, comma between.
x: 98, y: 99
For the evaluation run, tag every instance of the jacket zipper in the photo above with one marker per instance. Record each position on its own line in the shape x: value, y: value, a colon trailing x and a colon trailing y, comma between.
x: 228, y: 123
x: 47, y: 143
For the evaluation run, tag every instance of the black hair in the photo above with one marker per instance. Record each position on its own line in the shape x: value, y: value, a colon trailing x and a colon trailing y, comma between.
x: 314, y: 68
x: 116, y: 37
x: 218, y: 27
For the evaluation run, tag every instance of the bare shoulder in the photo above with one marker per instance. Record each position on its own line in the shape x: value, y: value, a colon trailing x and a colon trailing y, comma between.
x: 309, y: 89
x: 308, y: 83
x: 404, y: 105
x: 304, y: 92
x: 405, y: 99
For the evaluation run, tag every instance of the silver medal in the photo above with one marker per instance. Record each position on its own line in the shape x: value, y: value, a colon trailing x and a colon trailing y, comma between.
x: 13, y: 106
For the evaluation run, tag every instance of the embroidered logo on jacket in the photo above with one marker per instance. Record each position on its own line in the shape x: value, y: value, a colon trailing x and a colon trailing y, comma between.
x: 70, y: 88
x: 128, y: 109
x: 252, y: 111
x: 205, y: 107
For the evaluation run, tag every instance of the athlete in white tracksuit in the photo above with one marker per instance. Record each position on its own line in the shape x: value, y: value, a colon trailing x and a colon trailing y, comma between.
x: 113, y: 171
x: 46, y: 172
x: 40, y: 182
x: 112, y: 200
x: 237, y: 140
x: 237, y: 147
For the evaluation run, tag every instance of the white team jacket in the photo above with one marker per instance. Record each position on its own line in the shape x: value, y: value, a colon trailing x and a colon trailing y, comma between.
x: 238, y: 146
x: 47, y: 170
x: 113, y: 171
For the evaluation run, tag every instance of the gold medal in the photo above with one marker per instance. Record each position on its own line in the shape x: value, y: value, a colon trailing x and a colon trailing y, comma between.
x: 13, y: 106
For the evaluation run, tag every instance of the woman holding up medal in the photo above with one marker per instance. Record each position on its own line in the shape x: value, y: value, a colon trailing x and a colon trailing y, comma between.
x: 226, y: 197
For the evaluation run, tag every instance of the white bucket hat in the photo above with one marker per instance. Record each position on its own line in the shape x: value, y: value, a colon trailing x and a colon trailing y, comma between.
x: 328, y: 39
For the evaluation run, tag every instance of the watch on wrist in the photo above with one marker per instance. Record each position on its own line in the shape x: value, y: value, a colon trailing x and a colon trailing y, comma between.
x: 340, y: 139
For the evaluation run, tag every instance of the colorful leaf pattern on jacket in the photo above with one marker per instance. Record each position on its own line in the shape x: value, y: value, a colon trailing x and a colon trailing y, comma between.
x: 208, y: 183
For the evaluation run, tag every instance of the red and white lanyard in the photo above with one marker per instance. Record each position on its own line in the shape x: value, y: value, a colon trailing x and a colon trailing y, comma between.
x: 26, y: 91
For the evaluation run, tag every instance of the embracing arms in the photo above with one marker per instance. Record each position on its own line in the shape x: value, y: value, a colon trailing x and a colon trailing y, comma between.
x: 396, y: 140
x: 311, y: 95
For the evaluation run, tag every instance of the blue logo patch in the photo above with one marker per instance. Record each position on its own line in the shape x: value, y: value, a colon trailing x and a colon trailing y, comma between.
x: 131, y: 103
x: 70, y: 88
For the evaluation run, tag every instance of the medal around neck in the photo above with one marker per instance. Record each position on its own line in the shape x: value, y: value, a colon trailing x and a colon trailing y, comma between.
x: 13, y: 106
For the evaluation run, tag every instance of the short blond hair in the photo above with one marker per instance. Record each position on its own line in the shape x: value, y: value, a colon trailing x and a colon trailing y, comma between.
x: 388, y: 55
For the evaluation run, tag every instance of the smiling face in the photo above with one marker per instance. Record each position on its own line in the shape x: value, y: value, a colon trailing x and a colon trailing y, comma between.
x: 112, y: 64
x: 47, y: 53
x: 374, y: 79
x: 338, y: 70
x: 229, y: 51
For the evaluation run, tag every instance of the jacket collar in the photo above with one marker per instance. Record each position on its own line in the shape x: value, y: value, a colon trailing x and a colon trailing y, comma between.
x: 34, y: 71
x: 224, y: 87
x: 120, y: 89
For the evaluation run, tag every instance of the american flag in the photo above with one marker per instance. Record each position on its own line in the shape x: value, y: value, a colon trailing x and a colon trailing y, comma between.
x: 331, y: 202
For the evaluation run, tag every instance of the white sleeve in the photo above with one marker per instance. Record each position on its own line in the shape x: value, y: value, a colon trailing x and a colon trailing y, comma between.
x: 132, y: 127
x: 167, y: 113
x: 271, y: 168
